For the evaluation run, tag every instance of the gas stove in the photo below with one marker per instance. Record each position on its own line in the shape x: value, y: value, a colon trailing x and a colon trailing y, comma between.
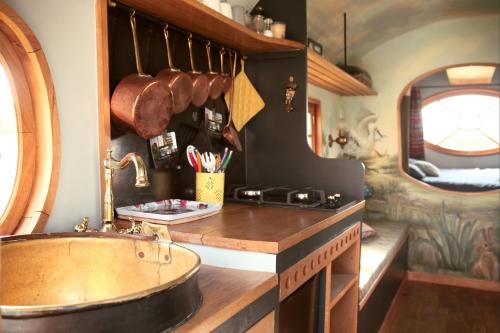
x: 285, y: 196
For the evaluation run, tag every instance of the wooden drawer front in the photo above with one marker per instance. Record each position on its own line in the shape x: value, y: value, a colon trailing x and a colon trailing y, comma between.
x: 296, y: 275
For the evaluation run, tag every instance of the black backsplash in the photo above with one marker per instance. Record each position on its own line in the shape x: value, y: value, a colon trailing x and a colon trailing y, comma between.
x: 189, y: 125
x: 275, y: 148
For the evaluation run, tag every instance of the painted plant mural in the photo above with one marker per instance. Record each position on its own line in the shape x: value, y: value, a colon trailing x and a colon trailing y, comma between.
x: 454, y: 234
x: 449, y: 234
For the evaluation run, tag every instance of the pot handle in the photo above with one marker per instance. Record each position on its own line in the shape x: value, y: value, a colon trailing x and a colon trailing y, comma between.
x: 133, y: 24
x: 222, y: 52
x: 190, y: 44
x: 209, y: 56
x: 167, y: 43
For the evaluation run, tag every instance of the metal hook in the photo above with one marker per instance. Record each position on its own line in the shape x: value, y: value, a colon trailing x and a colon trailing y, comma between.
x: 132, y: 13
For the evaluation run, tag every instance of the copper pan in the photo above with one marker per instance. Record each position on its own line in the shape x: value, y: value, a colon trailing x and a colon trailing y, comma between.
x: 179, y: 83
x: 200, y: 81
x: 227, y: 81
x: 215, y: 81
x: 141, y: 104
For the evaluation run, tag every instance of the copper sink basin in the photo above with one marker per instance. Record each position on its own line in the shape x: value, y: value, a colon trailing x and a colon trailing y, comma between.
x: 92, y: 282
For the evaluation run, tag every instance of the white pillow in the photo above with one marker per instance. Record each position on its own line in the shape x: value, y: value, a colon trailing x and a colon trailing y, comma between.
x: 367, y: 231
x: 428, y: 168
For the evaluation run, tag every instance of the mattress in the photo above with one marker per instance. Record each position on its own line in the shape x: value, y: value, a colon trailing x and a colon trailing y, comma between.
x: 377, y: 252
x: 469, y: 180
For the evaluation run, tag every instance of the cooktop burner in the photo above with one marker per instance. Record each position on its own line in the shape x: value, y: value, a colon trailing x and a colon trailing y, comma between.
x: 284, y: 196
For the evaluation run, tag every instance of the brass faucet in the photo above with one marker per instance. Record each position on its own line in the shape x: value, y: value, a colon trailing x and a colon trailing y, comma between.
x: 110, y: 164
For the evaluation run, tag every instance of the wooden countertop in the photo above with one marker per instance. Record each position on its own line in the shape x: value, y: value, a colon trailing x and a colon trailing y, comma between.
x: 257, y: 228
x: 225, y: 293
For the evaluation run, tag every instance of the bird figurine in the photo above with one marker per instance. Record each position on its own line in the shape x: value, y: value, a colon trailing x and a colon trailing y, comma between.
x: 82, y: 227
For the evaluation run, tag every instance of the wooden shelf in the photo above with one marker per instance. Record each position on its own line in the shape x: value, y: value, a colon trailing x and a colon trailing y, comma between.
x: 324, y: 74
x: 199, y: 19
x: 341, y: 283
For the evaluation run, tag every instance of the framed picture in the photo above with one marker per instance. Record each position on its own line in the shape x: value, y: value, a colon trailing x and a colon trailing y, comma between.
x: 315, y: 46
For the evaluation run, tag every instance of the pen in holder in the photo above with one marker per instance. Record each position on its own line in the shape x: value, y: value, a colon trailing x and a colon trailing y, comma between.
x: 210, y: 187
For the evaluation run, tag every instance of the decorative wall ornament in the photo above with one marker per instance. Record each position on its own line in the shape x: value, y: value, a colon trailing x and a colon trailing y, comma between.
x: 290, y: 90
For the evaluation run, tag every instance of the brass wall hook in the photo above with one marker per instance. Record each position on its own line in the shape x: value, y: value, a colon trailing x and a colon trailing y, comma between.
x: 290, y: 90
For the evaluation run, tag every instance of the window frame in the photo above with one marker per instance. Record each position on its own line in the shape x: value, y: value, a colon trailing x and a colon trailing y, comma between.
x: 460, y: 92
x: 28, y: 72
x: 314, y: 111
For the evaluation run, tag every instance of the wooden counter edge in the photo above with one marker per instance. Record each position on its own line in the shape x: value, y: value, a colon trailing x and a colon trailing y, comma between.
x: 230, y: 310
x: 271, y: 247
x: 314, y: 229
x: 276, y: 247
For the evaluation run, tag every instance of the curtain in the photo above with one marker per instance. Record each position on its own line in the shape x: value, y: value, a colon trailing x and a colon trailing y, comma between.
x: 405, y: 131
x: 416, y: 132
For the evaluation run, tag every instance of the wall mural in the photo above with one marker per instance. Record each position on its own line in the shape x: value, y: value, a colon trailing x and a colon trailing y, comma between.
x: 449, y: 234
x: 452, y: 234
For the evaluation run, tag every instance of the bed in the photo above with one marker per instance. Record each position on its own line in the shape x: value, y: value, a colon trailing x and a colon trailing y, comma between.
x: 466, y: 180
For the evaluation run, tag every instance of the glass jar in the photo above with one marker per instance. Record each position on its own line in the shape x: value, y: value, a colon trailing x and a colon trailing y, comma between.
x: 278, y: 29
x: 267, y: 27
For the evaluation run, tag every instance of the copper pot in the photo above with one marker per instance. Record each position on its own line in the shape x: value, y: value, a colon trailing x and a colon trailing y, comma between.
x: 227, y: 81
x: 215, y: 81
x: 141, y: 104
x: 200, y: 81
x: 179, y: 83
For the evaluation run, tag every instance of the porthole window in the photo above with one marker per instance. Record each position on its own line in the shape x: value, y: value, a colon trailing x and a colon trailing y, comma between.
x: 8, y: 141
x: 29, y: 130
x: 462, y: 123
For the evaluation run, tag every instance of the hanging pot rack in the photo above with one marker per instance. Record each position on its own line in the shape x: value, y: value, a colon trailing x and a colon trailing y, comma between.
x: 154, y: 20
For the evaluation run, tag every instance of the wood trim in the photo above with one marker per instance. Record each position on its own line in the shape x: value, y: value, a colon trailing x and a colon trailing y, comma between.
x: 223, y: 305
x: 45, y: 132
x: 389, y: 316
x: 458, y: 92
x: 265, y: 325
x: 314, y: 108
x: 455, y: 281
x: 295, y: 276
x: 103, y: 98
x: 322, y: 73
x: 328, y: 291
x: 199, y: 19
x: 296, y: 238
x: 337, y: 296
x: 26, y: 140
x: 375, y: 283
x: 400, y: 138
x: 447, y: 151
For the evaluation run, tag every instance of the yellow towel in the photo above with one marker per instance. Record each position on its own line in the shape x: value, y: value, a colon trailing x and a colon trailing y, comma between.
x: 247, y: 101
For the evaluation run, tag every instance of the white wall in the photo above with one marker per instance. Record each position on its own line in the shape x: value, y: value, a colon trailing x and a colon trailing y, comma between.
x: 331, y: 108
x: 397, y: 62
x: 461, y: 162
x: 66, y: 30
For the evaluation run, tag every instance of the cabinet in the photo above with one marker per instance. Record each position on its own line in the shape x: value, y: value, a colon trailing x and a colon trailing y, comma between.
x: 342, y: 276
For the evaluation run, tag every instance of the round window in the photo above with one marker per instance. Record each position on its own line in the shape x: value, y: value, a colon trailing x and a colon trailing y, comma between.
x: 8, y: 141
x: 29, y: 132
